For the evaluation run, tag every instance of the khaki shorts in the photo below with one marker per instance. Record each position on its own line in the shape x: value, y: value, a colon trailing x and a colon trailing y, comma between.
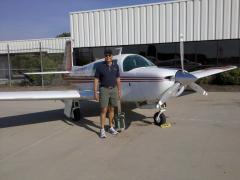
x: 108, y: 97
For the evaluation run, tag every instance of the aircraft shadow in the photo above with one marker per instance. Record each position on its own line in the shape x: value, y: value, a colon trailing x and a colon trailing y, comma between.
x: 130, y: 116
x: 31, y: 118
x: 88, y: 110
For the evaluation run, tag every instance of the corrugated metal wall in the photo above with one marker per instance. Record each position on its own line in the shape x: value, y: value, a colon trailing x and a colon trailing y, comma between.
x: 50, y: 45
x: 157, y: 23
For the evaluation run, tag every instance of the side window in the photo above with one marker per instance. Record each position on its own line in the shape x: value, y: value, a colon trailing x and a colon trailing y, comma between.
x: 140, y: 62
x: 135, y: 61
x: 129, y: 64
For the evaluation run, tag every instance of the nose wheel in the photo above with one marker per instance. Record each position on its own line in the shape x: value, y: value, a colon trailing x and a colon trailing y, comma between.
x: 159, y: 117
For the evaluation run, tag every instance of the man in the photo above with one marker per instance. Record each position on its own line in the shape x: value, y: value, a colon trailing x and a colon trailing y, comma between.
x: 107, y: 79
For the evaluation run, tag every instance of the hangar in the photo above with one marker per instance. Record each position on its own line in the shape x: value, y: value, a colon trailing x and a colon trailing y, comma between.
x: 211, y: 30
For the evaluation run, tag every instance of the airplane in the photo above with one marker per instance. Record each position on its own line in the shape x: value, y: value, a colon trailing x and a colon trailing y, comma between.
x: 143, y: 82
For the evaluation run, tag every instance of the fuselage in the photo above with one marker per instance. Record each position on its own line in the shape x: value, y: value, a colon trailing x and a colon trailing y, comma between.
x: 141, y: 80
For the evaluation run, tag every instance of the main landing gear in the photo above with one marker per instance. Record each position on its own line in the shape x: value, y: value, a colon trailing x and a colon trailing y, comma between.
x: 159, y: 117
x: 72, y: 109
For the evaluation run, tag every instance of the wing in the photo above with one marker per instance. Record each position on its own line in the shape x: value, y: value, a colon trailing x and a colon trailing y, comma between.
x: 210, y: 71
x: 48, y: 72
x: 46, y: 95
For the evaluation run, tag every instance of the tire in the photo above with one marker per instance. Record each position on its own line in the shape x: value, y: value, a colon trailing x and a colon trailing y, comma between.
x: 77, y: 114
x: 161, y: 120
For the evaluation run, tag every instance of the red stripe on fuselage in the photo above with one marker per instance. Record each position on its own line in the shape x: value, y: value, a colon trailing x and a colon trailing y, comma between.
x: 122, y: 78
x: 126, y: 79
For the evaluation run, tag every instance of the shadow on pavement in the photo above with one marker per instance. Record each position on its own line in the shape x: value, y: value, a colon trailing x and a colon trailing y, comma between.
x: 88, y: 110
x: 31, y: 118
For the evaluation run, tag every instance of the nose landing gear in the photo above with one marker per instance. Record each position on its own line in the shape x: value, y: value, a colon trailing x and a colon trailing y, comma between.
x: 159, y: 117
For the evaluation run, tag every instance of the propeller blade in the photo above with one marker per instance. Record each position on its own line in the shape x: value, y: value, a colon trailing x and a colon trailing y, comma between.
x: 198, y: 88
x: 180, y: 90
x: 169, y: 93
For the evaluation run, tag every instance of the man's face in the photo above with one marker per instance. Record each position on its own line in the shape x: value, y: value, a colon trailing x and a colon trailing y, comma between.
x: 108, y: 58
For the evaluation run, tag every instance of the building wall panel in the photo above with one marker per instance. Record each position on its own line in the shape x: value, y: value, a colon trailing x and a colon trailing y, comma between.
x: 119, y: 27
x: 143, y: 27
x: 162, y: 24
x: 155, y: 22
x: 108, y: 28
x: 204, y: 20
x: 219, y: 19
x: 189, y: 36
x: 96, y: 30
x: 211, y: 19
x: 149, y: 27
x: 80, y: 39
x: 137, y: 25
x: 52, y: 45
x: 183, y: 19
x: 125, y: 26
x: 86, y: 29
x: 91, y: 30
x: 227, y: 19
x: 102, y: 29
x: 169, y: 22
x: 175, y: 20
x: 196, y: 20
x: 113, y: 27
x: 131, y: 26
x: 235, y: 19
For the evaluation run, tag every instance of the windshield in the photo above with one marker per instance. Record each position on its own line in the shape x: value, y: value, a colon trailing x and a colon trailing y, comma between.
x: 135, y: 61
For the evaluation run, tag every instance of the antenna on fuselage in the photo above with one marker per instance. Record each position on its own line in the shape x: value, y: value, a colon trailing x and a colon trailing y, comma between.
x: 182, y: 51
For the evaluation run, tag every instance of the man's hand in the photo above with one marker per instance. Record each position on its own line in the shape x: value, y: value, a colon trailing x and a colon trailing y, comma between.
x: 96, y: 96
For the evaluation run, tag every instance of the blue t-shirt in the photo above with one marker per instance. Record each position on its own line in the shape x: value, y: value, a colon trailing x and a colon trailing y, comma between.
x: 106, y: 74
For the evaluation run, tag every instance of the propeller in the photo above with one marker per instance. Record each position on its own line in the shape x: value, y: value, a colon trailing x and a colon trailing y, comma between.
x: 182, y: 80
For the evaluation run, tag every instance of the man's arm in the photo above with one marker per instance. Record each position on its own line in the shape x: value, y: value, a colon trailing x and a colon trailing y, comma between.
x: 96, y: 96
x: 119, y: 86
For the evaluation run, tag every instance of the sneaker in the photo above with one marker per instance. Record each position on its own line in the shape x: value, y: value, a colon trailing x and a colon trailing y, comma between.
x: 102, y: 133
x: 113, y: 131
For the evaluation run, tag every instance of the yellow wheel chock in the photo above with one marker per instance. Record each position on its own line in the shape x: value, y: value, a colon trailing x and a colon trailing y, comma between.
x: 166, y: 125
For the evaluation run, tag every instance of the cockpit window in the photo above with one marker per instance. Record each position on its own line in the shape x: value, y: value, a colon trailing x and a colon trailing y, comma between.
x: 135, y: 61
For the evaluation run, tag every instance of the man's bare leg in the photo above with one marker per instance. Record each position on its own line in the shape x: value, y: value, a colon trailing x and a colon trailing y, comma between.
x: 103, y: 117
x: 111, y: 115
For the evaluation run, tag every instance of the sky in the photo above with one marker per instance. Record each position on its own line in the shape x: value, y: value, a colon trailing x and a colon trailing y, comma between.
x: 34, y: 19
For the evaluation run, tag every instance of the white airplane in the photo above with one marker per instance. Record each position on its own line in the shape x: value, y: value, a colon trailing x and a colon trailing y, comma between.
x: 142, y: 81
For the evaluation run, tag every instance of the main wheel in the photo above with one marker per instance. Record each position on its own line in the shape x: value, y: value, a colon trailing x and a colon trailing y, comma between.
x: 77, y: 114
x: 159, y: 120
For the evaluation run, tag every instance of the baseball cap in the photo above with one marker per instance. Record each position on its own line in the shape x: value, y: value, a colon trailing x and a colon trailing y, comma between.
x: 107, y: 51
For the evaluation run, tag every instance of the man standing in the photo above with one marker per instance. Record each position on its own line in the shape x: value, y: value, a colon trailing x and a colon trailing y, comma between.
x: 107, y: 79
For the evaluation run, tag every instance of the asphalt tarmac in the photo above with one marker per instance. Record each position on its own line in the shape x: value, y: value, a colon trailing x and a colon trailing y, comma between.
x: 37, y: 142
